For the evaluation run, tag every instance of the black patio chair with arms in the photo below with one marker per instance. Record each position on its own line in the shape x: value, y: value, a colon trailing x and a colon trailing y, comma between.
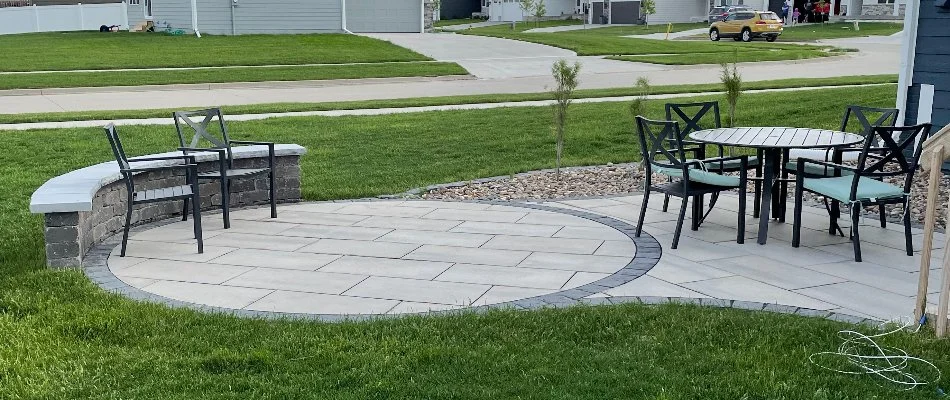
x: 187, y: 192
x: 862, y: 186
x: 705, y: 115
x: 867, y: 118
x: 688, y: 178
x: 222, y: 146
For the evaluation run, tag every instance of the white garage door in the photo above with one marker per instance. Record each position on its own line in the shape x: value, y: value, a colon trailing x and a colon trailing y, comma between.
x: 384, y: 15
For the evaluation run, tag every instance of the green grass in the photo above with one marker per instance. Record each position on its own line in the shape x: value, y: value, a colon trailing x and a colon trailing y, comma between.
x: 839, y: 30
x: 610, y: 41
x: 461, y: 21
x: 719, y: 58
x: 66, y: 339
x: 252, y: 74
x: 446, y: 100
x: 93, y: 50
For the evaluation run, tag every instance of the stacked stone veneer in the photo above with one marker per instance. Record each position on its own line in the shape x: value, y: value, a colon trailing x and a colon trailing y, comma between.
x: 885, y: 11
x: 69, y: 235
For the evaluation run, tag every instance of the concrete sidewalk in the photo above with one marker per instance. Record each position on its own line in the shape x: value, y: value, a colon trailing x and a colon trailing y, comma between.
x: 672, y: 35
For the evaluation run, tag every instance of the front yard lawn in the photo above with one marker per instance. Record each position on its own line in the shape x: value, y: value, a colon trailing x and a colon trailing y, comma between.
x: 461, y: 21
x: 93, y: 50
x: 725, y: 57
x: 67, y: 339
x: 612, y: 42
x: 839, y: 30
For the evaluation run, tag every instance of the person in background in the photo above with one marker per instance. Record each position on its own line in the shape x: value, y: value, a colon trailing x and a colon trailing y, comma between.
x: 796, y: 16
x: 785, y: 13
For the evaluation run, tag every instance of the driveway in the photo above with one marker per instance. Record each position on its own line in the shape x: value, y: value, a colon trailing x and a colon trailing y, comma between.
x: 496, y: 58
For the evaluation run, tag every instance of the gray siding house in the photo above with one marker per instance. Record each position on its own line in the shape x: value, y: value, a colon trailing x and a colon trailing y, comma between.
x: 924, y: 86
x: 236, y: 17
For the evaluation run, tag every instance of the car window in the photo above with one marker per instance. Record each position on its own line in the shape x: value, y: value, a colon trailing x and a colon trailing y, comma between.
x: 745, y: 16
x: 730, y: 17
x: 768, y: 16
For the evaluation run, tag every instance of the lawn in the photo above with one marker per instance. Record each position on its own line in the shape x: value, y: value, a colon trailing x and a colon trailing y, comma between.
x: 237, y: 74
x: 93, y: 50
x: 726, y: 57
x: 612, y: 41
x: 446, y: 100
x: 839, y: 30
x: 66, y: 339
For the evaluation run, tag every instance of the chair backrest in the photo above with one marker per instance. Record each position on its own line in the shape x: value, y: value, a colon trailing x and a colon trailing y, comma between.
x: 694, y: 116
x: 203, y: 130
x: 867, y: 118
x: 661, y: 144
x: 117, y: 150
x: 113, y: 134
x: 898, y: 153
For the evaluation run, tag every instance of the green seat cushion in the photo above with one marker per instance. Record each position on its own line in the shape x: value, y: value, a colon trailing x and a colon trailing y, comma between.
x: 733, y: 164
x: 839, y: 188
x: 815, y: 169
x: 698, y: 175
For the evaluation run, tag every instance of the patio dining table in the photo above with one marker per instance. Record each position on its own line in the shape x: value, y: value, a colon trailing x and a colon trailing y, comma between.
x: 776, y: 142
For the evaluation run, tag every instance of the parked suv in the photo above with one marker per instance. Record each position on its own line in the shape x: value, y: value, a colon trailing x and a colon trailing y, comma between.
x: 720, y: 13
x: 747, y: 25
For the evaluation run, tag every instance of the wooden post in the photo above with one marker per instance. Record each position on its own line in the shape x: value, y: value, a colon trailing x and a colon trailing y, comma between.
x: 944, y: 285
x: 936, y: 162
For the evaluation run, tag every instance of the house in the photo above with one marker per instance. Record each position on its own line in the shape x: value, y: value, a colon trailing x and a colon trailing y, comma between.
x: 923, y: 89
x: 612, y: 11
x: 510, y: 10
x: 235, y: 17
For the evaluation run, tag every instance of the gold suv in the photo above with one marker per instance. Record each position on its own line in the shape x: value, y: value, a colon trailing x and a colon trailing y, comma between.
x: 747, y: 25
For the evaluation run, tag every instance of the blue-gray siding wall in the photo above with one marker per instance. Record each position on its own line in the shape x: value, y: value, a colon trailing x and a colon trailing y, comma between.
x: 173, y: 14
x: 932, y: 64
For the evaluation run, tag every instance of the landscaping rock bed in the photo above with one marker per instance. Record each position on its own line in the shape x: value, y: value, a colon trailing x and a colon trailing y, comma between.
x: 619, y: 179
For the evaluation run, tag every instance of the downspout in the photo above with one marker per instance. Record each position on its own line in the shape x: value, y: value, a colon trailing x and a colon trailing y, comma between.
x: 233, y: 5
x: 343, y: 17
x: 194, y: 17
x: 908, y: 52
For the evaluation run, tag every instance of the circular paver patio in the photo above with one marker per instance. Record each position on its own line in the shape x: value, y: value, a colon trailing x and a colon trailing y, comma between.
x: 382, y: 257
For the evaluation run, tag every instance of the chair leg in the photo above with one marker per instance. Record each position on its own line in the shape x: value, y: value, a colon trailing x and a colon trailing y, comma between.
x: 908, y: 235
x: 643, y: 210
x: 679, y: 222
x: 125, y: 231
x: 273, y: 195
x: 834, y: 212
x: 757, y: 204
x: 666, y: 203
x: 742, y: 210
x: 184, y: 210
x: 797, y: 225
x: 883, y: 216
x: 855, y: 235
x: 197, y: 217
x: 226, y: 201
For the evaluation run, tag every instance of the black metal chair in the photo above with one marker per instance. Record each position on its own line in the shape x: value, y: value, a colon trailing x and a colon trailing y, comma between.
x: 705, y: 115
x: 663, y: 151
x: 867, y: 118
x: 187, y: 192
x: 222, y: 146
x: 884, y: 155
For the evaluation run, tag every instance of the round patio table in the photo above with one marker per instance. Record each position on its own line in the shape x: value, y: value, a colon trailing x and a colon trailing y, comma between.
x: 774, y: 142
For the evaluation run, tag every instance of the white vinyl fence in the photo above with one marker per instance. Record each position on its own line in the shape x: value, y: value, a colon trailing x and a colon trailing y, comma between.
x: 78, y: 17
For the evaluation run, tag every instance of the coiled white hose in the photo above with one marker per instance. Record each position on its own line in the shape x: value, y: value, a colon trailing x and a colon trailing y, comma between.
x: 867, y: 357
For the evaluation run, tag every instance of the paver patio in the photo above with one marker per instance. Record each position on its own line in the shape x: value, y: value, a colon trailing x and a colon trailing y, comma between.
x: 395, y: 257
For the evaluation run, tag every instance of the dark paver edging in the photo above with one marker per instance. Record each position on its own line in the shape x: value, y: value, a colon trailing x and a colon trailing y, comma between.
x: 647, y: 256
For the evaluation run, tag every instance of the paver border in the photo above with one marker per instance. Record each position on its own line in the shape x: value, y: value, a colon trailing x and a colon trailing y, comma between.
x: 648, y: 254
